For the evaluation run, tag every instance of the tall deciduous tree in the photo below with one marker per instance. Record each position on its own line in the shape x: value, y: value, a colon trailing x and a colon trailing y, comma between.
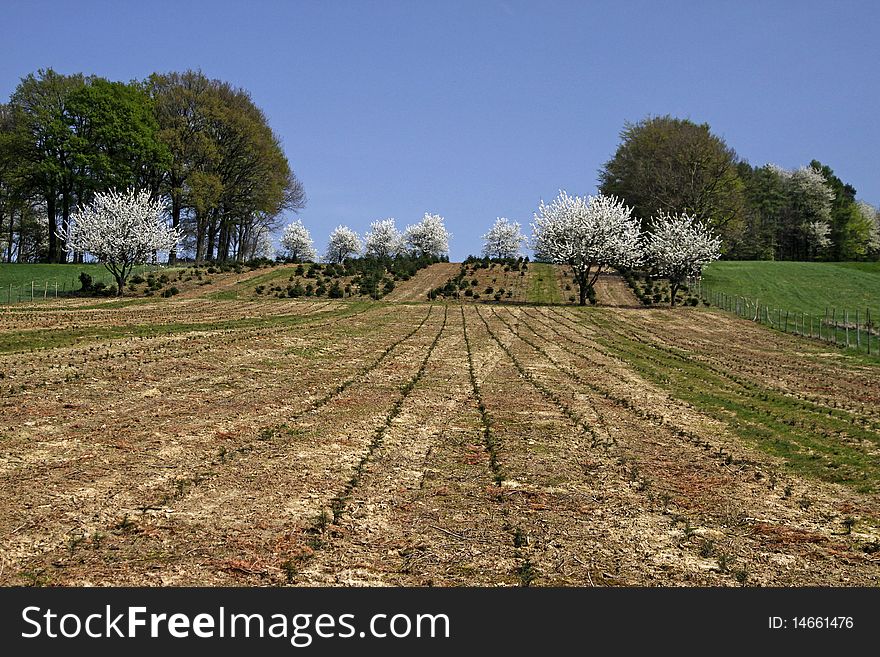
x: 671, y: 165
x: 45, y: 148
x: 587, y: 234
x: 679, y: 247
x: 503, y: 240
x: 122, y: 229
x: 229, y: 180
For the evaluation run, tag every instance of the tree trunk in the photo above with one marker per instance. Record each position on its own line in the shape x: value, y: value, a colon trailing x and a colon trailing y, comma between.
x: 11, y: 228
x: 200, y: 238
x: 673, y: 292
x: 582, y: 287
x: 65, y: 219
x: 175, y: 223
x: 53, y: 227
x: 212, y: 240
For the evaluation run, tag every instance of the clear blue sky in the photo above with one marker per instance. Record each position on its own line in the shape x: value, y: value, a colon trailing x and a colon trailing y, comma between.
x: 479, y: 109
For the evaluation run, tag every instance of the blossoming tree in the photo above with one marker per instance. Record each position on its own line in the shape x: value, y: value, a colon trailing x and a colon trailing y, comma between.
x: 503, y: 240
x: 383, y: 240
x: 121, y: 230
x: 297, y: 242
x: 679, y: 247
x: 428, y: 237
x: 589, y: 234
x: 343, y: 243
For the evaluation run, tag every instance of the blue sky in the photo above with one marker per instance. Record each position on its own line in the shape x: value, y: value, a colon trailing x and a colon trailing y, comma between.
x: 479, y: 109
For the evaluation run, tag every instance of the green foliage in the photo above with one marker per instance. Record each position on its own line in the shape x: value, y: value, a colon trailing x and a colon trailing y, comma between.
x: 675, y: 165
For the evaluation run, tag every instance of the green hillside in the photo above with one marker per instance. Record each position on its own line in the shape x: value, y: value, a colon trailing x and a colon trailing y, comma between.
x: 808, y: 287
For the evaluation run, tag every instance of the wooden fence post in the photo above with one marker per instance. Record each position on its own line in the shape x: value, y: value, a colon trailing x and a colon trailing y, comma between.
x: 846, y: 326
x: 858, y: 332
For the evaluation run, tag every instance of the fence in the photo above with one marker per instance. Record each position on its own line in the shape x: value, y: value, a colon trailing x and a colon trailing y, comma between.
x: 852, y: 329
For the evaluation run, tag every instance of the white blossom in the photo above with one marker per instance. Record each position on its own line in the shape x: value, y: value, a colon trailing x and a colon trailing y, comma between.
x: 503, y: 240
x: 343, y: 243
x: 679, y: 246
x: 297, y: 243
x: 809, y: 191
x: 588, y: 234
x: 121, y: 229
x: 264, y: 248
x: 818, y: 234
x: 871, y: 216
x: 428, y: 237
x: 383, y: 240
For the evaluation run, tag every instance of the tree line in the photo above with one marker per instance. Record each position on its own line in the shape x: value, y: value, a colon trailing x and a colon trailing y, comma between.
x: 199, y: 145
x: 675, y: 166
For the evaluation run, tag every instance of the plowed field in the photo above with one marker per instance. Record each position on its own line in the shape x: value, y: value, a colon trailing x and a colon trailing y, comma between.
x: 276, y: 442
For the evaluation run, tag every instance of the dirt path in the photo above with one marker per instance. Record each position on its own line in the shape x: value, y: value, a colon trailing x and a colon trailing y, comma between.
x: 425, y: 280
x: 612, y: 290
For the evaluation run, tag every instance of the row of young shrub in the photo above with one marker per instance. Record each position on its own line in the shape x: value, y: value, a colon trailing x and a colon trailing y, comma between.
x: 368, y: 276
x: 651, y: 289
x: 463, y: 285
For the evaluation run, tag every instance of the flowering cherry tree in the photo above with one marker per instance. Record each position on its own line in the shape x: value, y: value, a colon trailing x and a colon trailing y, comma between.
x: 680, y: 246
x: 428, y: 237
x: 297, y: 242
x: 343, y: 243
x: 121, y: 229
x: 587, y: 234
x: 503, y: 240
x: 818, y: 235
x: 383, y: 240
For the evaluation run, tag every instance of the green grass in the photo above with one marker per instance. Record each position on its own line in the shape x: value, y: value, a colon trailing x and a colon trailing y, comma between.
x: 544, y: 288
x: 44, y: 278
x: 817, y: 441
x: 807, y: 287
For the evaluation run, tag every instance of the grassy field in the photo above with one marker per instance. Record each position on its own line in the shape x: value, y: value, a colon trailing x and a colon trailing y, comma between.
x: 44, y: 277
x: 544, y: 284
x: 807, y: 287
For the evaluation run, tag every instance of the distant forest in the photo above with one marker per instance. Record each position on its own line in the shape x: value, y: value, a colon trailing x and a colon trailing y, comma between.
x: 200, y: 145
x: 762, y: 213
x: 208, y: 152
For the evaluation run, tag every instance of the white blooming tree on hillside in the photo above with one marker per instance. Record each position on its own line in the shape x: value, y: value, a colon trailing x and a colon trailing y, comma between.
x: 297, y: 244
x: 680, y: 246
x: 807, y: 214
x: 870, y: 217
x: 121, y: 230
x: 503, y: 240
x: 428, y: 237
x: 343, y: 243
x: 589, y: 234
x: 383, y: 240
x: 818, y: 235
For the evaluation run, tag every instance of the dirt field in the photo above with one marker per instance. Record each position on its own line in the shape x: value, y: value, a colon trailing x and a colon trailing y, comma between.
x: 276, y: 442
